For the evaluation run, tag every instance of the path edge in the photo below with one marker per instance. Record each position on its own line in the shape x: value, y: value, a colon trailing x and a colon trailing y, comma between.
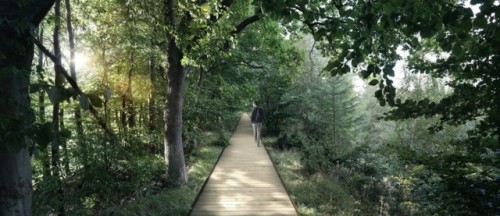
x: 281, y: 179
x: 213, y: 168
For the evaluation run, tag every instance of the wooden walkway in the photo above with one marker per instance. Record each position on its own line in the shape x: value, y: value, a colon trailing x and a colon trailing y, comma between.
x: 244, y: 181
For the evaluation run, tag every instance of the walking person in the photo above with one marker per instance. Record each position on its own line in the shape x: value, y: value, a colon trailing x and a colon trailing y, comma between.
x: 257, y: 118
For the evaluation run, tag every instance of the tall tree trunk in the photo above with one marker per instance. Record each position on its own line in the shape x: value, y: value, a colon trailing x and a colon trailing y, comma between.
x: 17, y: 51
x: 64, y: 144
x: 72, y: 68
x: 334, y: 117
x: 123, y: 113
x: 176, y: 79
x: 139, y: 114
x: 151, y: 100
x: 132, y: 114
x: 15, y: 165
x: 177, y: 171
x: 39, y: 70
x: 44, y: 154
x: 15, y: 172
x: 56, y: 141
x: 130, y: 105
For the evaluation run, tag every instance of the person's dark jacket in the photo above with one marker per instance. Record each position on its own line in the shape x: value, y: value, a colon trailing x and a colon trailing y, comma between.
x: 257, y: 115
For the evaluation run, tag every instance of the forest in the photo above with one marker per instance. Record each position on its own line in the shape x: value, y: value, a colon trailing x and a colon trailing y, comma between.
x: 372, y: 107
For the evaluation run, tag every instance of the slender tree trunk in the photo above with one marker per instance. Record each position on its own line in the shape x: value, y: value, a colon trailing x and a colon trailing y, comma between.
x: 140, y: 115
x: 200, y: 78
x: 64, y: 145
x: 151, y: 100
x: 334, y: 116
x: 131, y: 113
x: 44, y: 154
x: 130, y: 105
x: 151, y: 113
x: 496, y: 125
x: 117, y: 117
x: 123, y: 114
x: 39, y: 69
x: 56, y: 141
x: 72, y: 68
x: 17, y: 51
x: 71, y: 38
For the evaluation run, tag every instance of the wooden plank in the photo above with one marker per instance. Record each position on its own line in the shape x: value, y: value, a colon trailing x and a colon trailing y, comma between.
x: 244, y: 213
x: 218, y: 199
x: 247, y: 189
x: 228, y: 183
x: 241, y: 205
x: 230, y: 208
x: 244, y: 182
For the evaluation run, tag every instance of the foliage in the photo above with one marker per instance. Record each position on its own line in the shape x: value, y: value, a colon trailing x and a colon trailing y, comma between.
x: 173, y: 201
x: 319, y: 114
x: 436, y: 154
x: 445, y: 39
x: 341, y: 191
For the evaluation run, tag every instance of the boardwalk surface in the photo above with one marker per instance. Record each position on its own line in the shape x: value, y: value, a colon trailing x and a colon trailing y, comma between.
x: 244, y: 181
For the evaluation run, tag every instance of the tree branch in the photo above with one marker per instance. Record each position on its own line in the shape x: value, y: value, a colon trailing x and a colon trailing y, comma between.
x: 33, y: 11
x: 245, y: 23
x: 250, y: 65
x: 74, y: 85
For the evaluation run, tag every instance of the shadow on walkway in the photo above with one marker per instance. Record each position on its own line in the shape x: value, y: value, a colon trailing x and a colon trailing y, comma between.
x: 244, y: 181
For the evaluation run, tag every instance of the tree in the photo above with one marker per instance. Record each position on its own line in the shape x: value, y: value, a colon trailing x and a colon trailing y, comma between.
x: 71, y: 40
x: 57, y: 113
x: 363, y: 37
x: 376, y: 29
x: 186, y: 23
x: 16, y: 55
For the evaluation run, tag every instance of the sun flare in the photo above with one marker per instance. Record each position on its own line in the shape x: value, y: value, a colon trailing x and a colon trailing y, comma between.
x: 81, y: 60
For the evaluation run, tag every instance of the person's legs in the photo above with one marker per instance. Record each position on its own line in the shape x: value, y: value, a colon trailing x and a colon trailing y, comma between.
x: 254, y: 127
x: 257, y: 134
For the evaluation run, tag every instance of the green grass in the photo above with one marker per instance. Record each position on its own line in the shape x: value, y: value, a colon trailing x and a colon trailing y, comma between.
x: 174, y: 201
x: 178, y: 201
x: 316, y: 194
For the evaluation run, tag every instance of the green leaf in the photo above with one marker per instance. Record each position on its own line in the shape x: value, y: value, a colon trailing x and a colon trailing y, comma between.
x: 95, y: 100
x: 108, y: 93
x: 378, y: 93
x: 356, y: 61
x: 331, y: 65
x: 480, y: 22
x: 450, y: 17
x: 388, y: 8
x: 66, y: 94
x: 35, y: 87
x: 389, y: 70
x: 84, y: 102
x: 53, y: 95
x: 458, y: 52
x: 373, y: 82
x: 426, y: 32
x: 345, y: 69
x: 382, y: 102
x: 65, y: 133
x: 43, y: 134
x: 369, y: 70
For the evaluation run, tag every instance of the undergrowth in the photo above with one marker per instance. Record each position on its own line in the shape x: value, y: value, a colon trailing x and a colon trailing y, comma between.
x: 333, y: 193
x: 178, y: 200
x: 174, y: 201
